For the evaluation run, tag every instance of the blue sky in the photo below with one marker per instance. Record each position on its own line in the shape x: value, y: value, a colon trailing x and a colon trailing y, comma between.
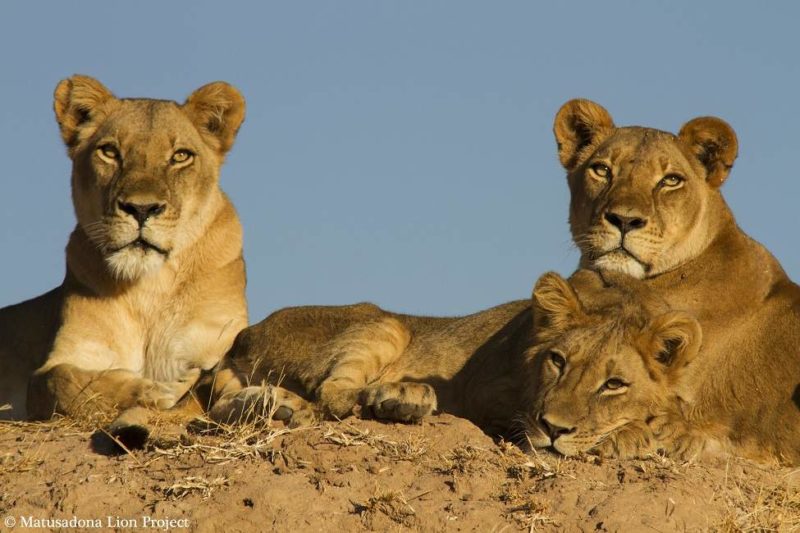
x: 401, y: 151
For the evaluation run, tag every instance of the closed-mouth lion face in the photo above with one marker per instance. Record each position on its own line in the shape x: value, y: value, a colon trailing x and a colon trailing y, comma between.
x: 145, y: 172
x: 643, y: 201
x: 595, y: 371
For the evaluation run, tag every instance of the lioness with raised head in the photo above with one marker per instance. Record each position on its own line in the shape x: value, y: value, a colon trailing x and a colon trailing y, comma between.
x: 154, y: 284
x: 647, y: 203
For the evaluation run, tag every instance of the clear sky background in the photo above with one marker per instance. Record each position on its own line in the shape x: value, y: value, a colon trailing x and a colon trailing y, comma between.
x: 401, y: 151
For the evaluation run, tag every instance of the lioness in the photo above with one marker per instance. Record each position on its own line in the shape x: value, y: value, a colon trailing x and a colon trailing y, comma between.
x: 606, y: 369
x: 154, y: 284
x: 647, y: 203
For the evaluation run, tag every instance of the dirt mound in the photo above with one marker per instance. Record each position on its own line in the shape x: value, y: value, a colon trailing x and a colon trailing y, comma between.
x: 444, y: 474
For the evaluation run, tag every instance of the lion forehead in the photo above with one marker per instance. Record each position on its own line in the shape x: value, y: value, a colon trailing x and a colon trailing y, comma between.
x: 651, y: 150
x: 138, y: 121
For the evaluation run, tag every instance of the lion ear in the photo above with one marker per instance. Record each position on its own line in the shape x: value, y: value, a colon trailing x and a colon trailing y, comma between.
x: 76, y: 101
x: 579, y: 123
x: 217, y: 110
x: 674, y: 340
x: 555, y: 303
x: 714, y: 143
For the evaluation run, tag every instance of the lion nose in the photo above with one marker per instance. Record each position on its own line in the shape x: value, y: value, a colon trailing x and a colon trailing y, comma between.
x: 625, y: 223
x: 555, y: 431
x: 141, y: 212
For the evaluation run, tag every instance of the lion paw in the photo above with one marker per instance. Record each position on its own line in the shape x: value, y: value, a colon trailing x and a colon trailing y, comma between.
x: 632, y: 440
x: 402, y: 402
x: 682, y: 441
x: 267, y: 402
x: 138, y: 426
x: 131, y: 427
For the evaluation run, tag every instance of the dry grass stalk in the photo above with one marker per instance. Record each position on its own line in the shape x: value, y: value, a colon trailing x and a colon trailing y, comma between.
x: 193, y: 484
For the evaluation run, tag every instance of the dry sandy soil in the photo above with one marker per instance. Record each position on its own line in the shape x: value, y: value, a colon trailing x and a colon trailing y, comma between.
x: 444, y: 474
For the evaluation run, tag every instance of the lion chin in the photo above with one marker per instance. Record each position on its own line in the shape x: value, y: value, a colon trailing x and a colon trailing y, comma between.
x: 536, y: 437
x: 134, y: 262
x: 618, y: 261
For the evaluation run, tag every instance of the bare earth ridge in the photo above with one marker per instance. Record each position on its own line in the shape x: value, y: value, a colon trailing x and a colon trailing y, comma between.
x: 444, y: 474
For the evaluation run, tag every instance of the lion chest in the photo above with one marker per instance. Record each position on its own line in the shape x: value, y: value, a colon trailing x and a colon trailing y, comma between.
x: 171, y: 347
x: 176, y: 335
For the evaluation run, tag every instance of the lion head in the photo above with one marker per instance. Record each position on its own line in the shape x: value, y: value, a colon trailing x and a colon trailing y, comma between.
x: 643, y: 201
x: 145, y: 172
x: 596, y: 370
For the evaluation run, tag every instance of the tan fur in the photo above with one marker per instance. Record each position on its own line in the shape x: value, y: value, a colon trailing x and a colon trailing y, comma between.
x: 333, y: 362
x: 145, y: 304
x: 583, y: 341
x: 685, y: 244
x: 306, y: 363
x: 363, y: 360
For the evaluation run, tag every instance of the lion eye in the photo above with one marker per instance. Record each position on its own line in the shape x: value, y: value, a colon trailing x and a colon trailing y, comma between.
x: 181, y: 156
x: 672, y: 180
x: 558, y: 360
x: 613, y: 384
x: 108, y: 152
x: 601, y: 171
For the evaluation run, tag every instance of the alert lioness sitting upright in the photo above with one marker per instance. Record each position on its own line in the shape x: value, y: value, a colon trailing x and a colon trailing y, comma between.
x: 647, y: 203
x: 154, y: 285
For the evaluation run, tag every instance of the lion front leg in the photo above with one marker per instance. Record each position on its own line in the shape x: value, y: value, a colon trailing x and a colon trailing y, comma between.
x: 361, y: 355
x: 137, y: 426
x: 70, y: 390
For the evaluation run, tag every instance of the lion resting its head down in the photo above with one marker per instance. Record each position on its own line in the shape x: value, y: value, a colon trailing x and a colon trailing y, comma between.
x: 606, y: 369
x: 154, y: 288
x: 647, y: 203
